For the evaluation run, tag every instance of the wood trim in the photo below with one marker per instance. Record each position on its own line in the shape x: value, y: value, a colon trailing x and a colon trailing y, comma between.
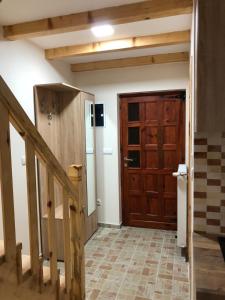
x: 6, y: 187
x: 114, y: 15
x: 25, y: 127
x: 158, y: 40
x: 131, y: 62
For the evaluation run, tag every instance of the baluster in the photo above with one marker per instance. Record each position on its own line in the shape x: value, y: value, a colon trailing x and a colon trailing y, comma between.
x: 7, y: 187
x: 67, y: 250
x: 19, y: 268
x: 77, y: 234
x: 51, y: 228
x: 32, y: 208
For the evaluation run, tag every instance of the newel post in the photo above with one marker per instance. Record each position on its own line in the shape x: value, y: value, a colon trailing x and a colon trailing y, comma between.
x: 77, y: 234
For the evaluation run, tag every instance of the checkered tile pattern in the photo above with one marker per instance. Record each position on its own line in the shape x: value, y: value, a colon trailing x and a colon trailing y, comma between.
x: 210, y: 183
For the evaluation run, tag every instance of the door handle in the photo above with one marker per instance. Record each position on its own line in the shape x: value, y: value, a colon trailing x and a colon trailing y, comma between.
x: 177, y: 174
x: 126, y: 159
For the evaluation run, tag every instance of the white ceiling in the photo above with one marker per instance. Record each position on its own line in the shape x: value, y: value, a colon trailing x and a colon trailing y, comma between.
x: 17, y: 11
x: 128, y: 53
x: 147, y: 27
x: 14, y: 11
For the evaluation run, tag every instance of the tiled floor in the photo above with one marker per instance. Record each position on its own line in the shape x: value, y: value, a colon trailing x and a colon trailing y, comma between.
x: 135, y: 264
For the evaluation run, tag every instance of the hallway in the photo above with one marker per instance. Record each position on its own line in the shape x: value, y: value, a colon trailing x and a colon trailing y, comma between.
x: 135, y: 264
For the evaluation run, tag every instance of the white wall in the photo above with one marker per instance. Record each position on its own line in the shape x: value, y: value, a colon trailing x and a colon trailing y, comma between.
x: 22, y: 65
x: 106, y: 85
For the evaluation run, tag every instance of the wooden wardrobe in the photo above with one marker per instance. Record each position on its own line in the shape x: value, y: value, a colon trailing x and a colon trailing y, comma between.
x: 64, y: 115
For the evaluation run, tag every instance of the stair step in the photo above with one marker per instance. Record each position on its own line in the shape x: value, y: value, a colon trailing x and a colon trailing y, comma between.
x: 2, y: 252
x: 1, y: 247
x: 46, y: 275
x: 26, y: 267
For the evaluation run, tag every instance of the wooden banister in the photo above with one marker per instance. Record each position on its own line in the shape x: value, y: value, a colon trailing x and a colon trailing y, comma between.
x: 32, y: 207
x: 77, y: 234
x: 7, y: 187
x: 67, y: 245
x: 19, y: 263
x: 51, y: 227
x: 73, y: 215
x: 25, y: 127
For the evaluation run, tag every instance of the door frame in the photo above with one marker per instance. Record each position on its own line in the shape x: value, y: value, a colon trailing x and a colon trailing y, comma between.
x: 121, y: 161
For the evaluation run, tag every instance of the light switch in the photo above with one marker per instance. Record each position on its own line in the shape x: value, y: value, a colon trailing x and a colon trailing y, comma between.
x: 108, y: 151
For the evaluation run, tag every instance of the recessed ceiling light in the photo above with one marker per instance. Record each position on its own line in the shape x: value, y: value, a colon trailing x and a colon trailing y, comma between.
x: 102, y: 30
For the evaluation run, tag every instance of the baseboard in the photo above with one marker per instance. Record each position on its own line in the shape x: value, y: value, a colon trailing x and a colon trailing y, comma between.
x: 104, y: 225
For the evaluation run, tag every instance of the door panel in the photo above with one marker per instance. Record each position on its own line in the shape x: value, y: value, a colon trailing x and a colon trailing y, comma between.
x: 152, y: 146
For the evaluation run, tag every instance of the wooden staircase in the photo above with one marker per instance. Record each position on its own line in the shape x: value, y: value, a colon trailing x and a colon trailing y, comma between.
x: 25, y: 276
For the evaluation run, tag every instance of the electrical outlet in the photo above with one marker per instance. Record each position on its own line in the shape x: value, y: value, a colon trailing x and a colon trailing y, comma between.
x: 99, y: 202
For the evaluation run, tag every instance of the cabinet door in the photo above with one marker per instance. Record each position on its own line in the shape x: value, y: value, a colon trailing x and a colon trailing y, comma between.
x: 90, y: 164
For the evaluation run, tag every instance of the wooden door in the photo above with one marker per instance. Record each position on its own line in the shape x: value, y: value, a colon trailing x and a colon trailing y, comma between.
x: 152, y: 146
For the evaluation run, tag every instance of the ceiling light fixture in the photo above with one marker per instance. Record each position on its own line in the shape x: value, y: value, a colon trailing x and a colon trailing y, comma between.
x: 102, y: 30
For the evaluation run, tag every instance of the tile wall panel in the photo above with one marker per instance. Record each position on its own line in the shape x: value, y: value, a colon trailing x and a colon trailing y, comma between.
x: 209, y: 184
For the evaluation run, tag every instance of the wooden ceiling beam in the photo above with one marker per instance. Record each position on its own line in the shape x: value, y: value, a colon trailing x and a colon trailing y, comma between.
x: 131, y: 62
x: 114, y: 15
x: 159, y: 40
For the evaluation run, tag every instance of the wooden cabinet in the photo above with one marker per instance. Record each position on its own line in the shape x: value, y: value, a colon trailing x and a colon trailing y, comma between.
x: 210, y: 59
x: 65, y: 118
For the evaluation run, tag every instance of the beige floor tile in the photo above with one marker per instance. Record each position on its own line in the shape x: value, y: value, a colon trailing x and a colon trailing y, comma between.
x: 135, y: 264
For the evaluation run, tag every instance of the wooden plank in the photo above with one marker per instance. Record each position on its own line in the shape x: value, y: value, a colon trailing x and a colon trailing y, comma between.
x: 52, y: 228
x: 7, y: 199
x: 25, y: 127
x: 67, y: 249
x: 113, y: 15
x: 140, y: 42
x: 77, y: 232
x: 131, y: 62
x: 210, y: 65
x: 32, y: 207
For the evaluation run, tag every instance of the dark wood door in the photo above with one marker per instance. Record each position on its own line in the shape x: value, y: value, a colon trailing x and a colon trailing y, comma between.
x: 152, y: 146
